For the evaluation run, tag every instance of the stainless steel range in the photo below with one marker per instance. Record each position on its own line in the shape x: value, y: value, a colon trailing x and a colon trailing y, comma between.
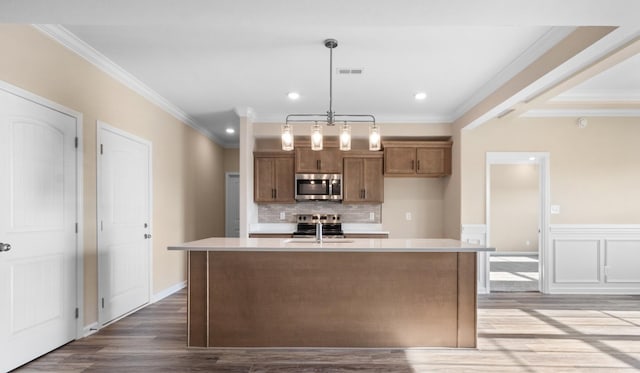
x: 308, y: 223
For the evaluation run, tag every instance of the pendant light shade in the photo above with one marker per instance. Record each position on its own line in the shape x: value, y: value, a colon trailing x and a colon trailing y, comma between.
x: 374, y: 137
x: 316, y: 137
x: 287, y: 137
x: 345, y: 137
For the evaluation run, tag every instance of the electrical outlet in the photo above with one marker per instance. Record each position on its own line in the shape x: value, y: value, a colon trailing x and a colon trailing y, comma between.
x: 372, y: 216
x: 555, y: 209
x: 282, y: 217
x: 407, y: 216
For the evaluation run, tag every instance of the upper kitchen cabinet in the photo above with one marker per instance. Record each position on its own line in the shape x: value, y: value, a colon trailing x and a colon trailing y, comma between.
x: 327, y: 161
x: 417, y: 158
x: 363, y: 181
x: 273, y: 177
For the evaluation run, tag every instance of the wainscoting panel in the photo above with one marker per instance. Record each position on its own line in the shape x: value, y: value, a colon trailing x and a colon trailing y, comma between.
x: 576, y: 261
x: 477, y: 234
x: 594, y: 259
x: 622, y: 261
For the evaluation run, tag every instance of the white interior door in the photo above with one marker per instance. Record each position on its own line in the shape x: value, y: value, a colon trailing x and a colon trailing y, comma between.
x: 232, y: 205
x: 38, y: 196
x: 124, y: 213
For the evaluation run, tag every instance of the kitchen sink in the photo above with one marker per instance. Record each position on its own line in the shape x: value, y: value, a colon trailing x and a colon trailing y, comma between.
x: 313, y: 240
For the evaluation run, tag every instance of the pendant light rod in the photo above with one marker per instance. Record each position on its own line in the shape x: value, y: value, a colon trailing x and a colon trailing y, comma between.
x: 330, y: 43
x: 309, y: 118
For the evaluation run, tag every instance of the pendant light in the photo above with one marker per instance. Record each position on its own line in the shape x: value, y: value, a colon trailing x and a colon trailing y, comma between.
x: 287, y: 137
x: 374, y: 138
x: 330, y: 119
x: 316, y: 137
x: 345, y: 137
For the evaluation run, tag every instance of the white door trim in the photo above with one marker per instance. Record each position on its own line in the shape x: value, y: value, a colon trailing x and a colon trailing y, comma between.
x: 100, y: 125
x: 227, y: 178
x: 79, y: 192
x: 542, y: 160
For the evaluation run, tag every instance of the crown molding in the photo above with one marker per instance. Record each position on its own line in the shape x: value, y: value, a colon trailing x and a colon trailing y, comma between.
x: 84, y: 50
x: 601, y: 95
x: 556, y: 113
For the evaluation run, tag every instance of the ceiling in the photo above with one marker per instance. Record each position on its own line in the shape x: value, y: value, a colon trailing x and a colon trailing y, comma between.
x: 210, y: 62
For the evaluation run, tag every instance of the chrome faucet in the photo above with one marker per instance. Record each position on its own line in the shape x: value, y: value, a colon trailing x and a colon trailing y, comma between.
x: 318, y: 232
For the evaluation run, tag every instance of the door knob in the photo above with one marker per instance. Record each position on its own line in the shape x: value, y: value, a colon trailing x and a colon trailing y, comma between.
x: 4, y: 247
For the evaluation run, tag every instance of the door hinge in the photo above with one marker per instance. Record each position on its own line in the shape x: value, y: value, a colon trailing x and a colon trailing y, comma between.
x: 77, y: 312
x: 76, y: 142
x: 76, y: 227
x: 102, y: 302
x: 101, y: 149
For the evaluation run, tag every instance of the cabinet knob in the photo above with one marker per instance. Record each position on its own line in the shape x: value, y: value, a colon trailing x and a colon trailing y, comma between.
x: 418, y: 165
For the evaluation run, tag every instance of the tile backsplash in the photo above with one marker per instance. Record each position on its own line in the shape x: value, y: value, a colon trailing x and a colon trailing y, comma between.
x: 350, y: 213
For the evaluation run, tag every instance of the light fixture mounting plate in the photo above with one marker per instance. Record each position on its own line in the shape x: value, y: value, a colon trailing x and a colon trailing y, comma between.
x: 330, y: 43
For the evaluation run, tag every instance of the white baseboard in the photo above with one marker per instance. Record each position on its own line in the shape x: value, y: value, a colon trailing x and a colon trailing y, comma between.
x: 168, y: 291
x: 89, y: 329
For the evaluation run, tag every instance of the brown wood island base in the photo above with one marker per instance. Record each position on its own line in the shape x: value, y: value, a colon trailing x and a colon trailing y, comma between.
x: 246, y: 298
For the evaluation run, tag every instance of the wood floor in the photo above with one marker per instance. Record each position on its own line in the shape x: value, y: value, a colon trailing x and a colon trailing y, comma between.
x: 518, y: 332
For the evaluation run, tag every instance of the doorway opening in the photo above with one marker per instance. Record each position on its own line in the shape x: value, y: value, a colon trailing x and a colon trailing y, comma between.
x: 516, y: 218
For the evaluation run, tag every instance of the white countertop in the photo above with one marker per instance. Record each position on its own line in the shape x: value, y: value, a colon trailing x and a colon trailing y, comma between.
x: 330, y: 245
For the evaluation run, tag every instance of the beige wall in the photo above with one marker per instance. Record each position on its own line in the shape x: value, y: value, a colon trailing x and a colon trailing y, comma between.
x: 515, y: 201
x: 188, y: 190
x: 594, y: 174
x: 232, y: 160
x: 423, y: 198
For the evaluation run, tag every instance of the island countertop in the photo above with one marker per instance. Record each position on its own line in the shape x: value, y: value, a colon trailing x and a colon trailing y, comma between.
x: 330, y: 245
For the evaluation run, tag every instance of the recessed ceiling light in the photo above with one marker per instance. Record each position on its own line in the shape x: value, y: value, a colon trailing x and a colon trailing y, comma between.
x: 532, y: 158
x: 420, y: 96
x: 230, y: 130
x: 293, y: 95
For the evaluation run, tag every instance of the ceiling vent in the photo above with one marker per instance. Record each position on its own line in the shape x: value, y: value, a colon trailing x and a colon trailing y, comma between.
x: 349, y: 71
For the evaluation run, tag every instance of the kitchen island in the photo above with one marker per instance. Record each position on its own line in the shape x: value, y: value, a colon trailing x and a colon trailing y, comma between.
x: 269, y: 292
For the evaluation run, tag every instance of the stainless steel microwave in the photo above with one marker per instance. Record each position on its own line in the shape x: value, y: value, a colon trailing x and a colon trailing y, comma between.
x: 319, y: 187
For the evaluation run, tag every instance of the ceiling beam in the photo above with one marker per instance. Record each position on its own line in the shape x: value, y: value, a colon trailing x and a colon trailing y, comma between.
x: 513, y: 91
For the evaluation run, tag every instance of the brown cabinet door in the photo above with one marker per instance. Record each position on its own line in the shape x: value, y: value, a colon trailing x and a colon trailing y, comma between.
x: 284, y: 180
x: 331, y: 161
x: 353, y: 180
x: 373, y: 180
x: 273, y: 179
x: 400, y: 161
x: 264, y: 183
x: 328, y: 160
x: 363, y: 181
x: 307, y: 160
x: 433, y: 161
